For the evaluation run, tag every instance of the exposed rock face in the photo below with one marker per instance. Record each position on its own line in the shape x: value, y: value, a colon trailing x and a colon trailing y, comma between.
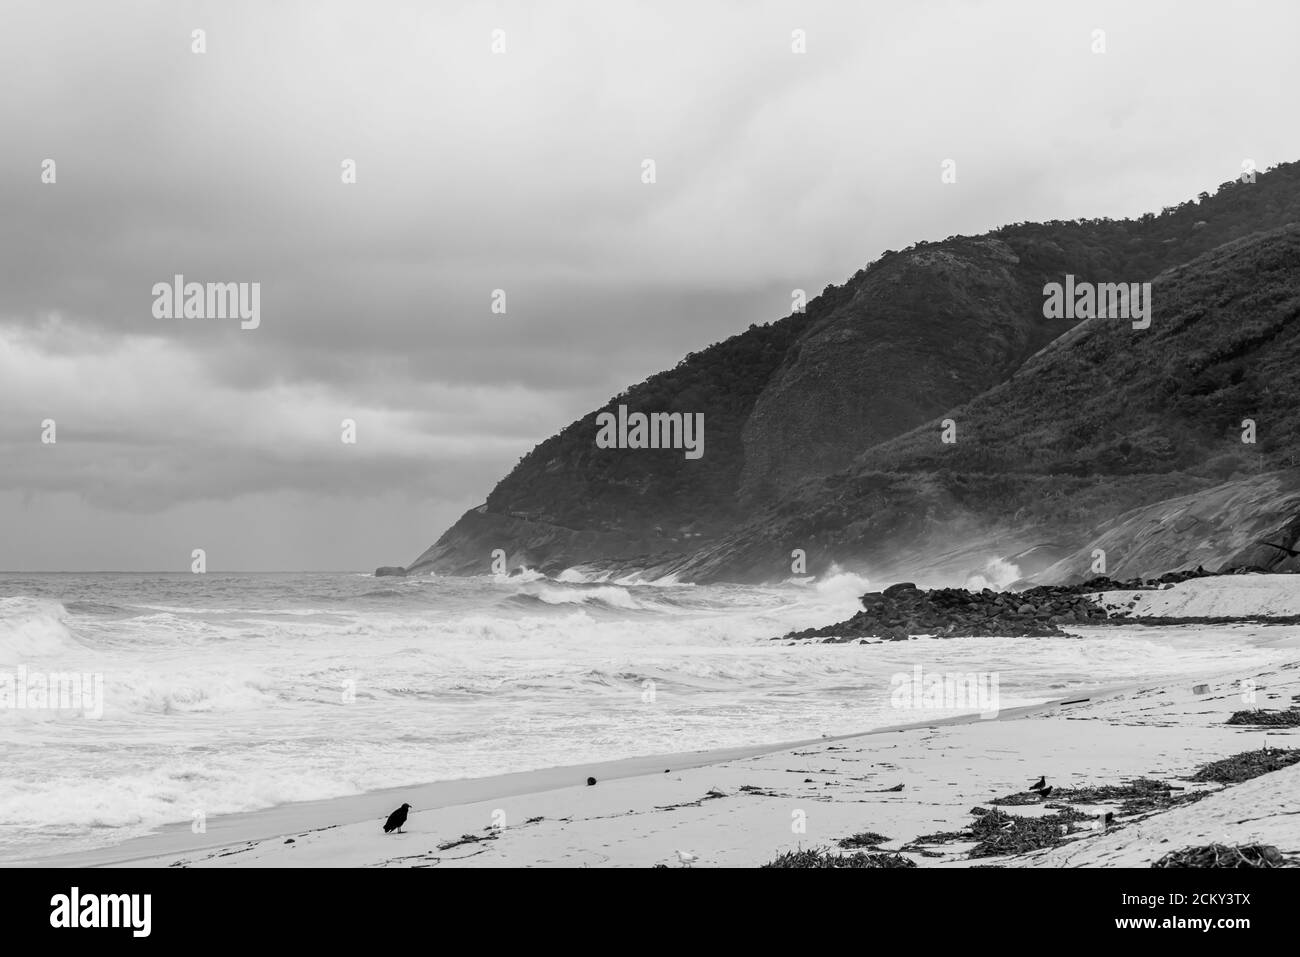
x: 1128, y: 441
x: 901, y: 342
x: 922, y: 332
x: 1220, y: 527
x: 822, y: 428
x: 390, y: 571
x: 467, y: 547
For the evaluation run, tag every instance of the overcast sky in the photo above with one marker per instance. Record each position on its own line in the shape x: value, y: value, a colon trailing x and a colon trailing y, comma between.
x: 518, y: 171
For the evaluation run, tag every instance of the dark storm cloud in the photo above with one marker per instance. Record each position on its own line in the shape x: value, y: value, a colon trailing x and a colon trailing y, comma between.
x: 519, y: 172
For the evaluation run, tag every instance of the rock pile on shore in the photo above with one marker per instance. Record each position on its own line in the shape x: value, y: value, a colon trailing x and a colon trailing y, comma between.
x: 903, y: 610
x: 1102, y: 583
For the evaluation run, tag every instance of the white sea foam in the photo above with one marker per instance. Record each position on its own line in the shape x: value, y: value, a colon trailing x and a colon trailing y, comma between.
x: 231, y: 702
x: 840, y: 584
x: 33, y: 628
x: 996, y: 574
x: 611, y: 595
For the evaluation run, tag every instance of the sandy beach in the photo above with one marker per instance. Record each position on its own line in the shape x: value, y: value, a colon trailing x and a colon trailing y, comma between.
x: 743, y: 807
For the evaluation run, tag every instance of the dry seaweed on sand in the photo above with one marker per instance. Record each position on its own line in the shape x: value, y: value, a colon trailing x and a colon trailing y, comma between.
x: 1271, y: 719
x: 863, y: 839
x: 759, y: 791
x: 914, y: 847
x: 1134, y: 796
x: 1225, y: 855
x: 819, y: 858
x: 1019, y: 799
x: 1247, y: 765
x: 997, y: 833
x: 1000, y: 833
x: 713, y: 794
x: 466, y: 839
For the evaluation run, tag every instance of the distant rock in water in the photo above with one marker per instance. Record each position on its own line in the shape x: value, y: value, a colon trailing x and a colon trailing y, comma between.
x: 903, y: 610
x: 390, y: 571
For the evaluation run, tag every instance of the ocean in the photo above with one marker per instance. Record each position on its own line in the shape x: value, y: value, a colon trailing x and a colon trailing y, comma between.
x: 233, y: 692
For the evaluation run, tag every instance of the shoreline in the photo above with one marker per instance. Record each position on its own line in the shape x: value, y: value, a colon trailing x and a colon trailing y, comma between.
x: 920, y: 779
x: 283, y: 820
x: 910, y: 784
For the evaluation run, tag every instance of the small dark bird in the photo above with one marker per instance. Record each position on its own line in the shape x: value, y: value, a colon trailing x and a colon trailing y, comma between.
x: 1042, y: 783
x: 1045, y: 793
x: 590, y: 781
x: 1290, y: 551
x: 397, y: 820
x: 1109, y: 819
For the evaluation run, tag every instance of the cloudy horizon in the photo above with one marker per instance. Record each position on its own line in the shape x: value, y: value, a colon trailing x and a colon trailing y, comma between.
x: 519, y: 171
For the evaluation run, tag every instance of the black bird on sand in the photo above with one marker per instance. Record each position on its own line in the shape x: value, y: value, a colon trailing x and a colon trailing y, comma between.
x: 1045, y: 793
x: 1290, y: 551
x: 397, y: 820
x: 1042, y: 783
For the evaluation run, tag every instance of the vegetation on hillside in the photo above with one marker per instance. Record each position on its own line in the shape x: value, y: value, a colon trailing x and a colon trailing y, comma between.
x: 1167, y: 407
x: 1112, y: 419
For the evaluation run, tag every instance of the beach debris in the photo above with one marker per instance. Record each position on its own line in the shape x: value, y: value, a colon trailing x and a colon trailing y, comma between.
x: 759, y: 791
x: 996, y: 833
x: 467, y: 839
x: 1200, y: 689
x: 1261, y: 718
x: 1019, y: 799
x: 863, y: 839
x: 397, y: 820
x: 687, y: 858
x: 890, y: 790
x: 711, y: 795
x: 999, y: 833
x: 820, y: 858
x: 289, y: 840
x: 591, y: 782
x: 1103, y: 823
x: 1247, y: 765
x: 1225, y: 855
x: 1136, y: 796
